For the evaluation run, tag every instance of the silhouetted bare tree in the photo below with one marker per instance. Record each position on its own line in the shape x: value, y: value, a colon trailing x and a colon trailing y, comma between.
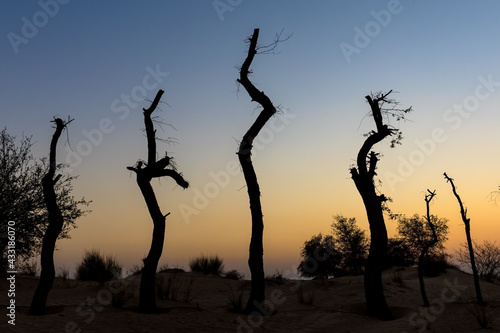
x: 145, y: 173
x: 256, y: 251
x: 466, y: 220
x: 426, y: 246
x: 363, y: 176
x: 423, y: 235
x: 55, y: 225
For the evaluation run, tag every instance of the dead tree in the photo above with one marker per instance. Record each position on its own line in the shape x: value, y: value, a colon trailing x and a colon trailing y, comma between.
x: 55, y: 225
x: 256, y: 250
x: 363, y: 176
x: 428, y: 243
x: 145, y: 173
x: 466, y: 220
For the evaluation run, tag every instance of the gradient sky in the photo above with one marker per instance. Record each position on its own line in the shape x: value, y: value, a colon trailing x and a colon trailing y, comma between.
x: 101, y: 63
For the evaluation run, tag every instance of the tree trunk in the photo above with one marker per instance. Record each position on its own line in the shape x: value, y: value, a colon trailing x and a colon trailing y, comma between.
x: 256, y: 249
x: 153, y: 169
x: 256, y: 300
x: 54, y: 228
x: 376, y: 304
x: 363, y: 177
x: 420, y: 271
x: 147, y: 295
x: 425, y: 249
x: 475, y: 274
x: 466, y: 220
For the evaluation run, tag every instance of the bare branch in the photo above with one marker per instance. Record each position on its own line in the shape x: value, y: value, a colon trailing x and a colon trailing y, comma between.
x: 463, y: 211
x: 150, y: 131
x: 270, y: 48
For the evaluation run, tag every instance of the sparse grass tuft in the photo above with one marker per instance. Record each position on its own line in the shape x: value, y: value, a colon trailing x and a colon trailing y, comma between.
x: 95, y: 267
x: 234, y: 275
x: 62, y: 272
x: 165, y: 268
x: 276, y: 277
x: 235, y: 299
x: 397, y: 277
x: 482, y: 316
x: 135, y: 270
x: 172, y: 288
x: 207, y: 265
x: 305, y: 298
x: 122, y: 291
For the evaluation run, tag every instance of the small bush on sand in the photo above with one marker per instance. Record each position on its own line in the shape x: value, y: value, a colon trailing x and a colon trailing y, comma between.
x: 305, y: 297
x: 207, y: 265
x: 122, y: 292
x: 95, y: 267
x: 276, y: 277
x: 435, y: 264
x: 172, y: 288
x: 234, y: 275
x: 482, y: 315
x: 62, y: 272
x: 29, y: 268
x: 235, y: 299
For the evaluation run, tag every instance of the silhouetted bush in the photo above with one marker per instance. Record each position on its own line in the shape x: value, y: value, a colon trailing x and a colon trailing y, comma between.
x: 486, y: 257
x: 233, y: 275
x: 399, y: 254
x: 94, y: 267
x: 351, y: 242
x: 435, y: 264
x: 343, y: 252
x: 207, y: 265
x: 320, y: 259
x: 417, y: 234
x: 276, y: 277
x: 29, y: 268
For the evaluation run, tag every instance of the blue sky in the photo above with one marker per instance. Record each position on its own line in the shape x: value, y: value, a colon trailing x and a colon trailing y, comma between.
x: 86, y: 57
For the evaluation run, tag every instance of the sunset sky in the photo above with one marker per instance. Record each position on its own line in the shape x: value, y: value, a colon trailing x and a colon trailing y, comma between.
x: 102, y: 62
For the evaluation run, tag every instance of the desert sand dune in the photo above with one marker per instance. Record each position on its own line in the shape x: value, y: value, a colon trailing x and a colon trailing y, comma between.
x: 335, y: 305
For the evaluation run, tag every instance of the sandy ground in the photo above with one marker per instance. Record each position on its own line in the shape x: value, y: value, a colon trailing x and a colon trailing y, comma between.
x: 335, y: 305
